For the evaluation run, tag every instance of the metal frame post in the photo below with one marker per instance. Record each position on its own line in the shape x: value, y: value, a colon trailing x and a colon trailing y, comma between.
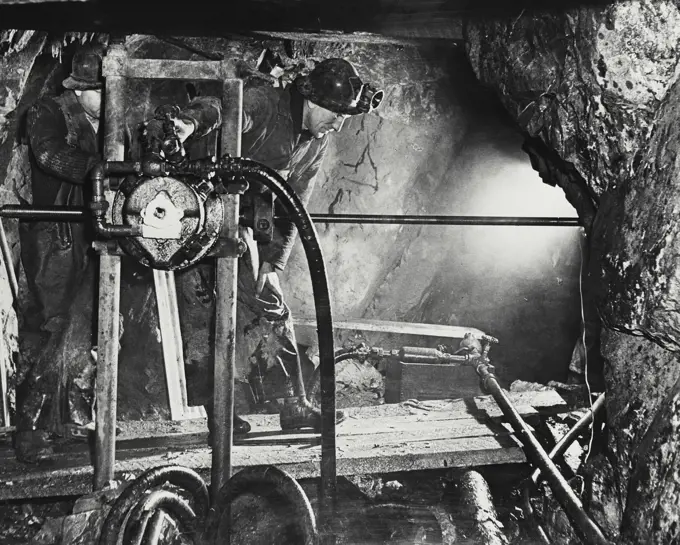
x: 226, y: 299
x: 116, y: 69
x: 109, y: 281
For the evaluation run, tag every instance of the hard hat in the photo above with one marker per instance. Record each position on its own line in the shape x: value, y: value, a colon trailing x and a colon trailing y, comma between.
x: 334, y: 84
x: 86, y: 71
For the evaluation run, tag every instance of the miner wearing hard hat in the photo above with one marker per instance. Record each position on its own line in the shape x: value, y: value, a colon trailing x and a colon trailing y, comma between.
x: 63, y: 143
x: 286, y: 129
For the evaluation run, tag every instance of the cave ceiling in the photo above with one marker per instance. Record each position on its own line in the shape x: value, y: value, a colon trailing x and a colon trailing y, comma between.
x: 417, y: 19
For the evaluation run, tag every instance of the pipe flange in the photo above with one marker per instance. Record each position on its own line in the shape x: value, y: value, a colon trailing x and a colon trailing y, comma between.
x: 179, y: 225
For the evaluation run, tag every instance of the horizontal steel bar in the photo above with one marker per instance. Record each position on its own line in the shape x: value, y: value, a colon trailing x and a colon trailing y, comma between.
x: 445, y: 220
x: 62, y: 213
x: 46, y: 213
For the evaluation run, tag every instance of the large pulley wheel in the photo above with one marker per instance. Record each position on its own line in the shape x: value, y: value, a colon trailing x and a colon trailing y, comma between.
x: 180, y: 222
x: 262, y: 506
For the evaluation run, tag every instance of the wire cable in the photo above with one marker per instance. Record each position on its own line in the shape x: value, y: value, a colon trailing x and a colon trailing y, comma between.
x: 585, y: 348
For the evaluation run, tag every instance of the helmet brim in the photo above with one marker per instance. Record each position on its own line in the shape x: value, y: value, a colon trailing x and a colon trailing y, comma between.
x: 77, y: 84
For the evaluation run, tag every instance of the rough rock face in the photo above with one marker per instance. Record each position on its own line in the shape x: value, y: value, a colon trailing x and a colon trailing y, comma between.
x: 597, y: 85
x: 433, y: 149
x: 600, y: 87
x: 20, y: 50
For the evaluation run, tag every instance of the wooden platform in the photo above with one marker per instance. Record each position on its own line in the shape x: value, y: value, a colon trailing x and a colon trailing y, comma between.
x: 407, y: 436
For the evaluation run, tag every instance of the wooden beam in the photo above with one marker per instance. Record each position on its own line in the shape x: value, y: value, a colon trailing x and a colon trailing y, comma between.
x: 387, y: 38
x: 403, y: 328
x: 173, y: 353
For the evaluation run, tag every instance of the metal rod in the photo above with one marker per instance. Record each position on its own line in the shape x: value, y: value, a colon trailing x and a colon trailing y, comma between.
x: 226, y: 297
x: 563, y: 444
x: 444, y: 220
x: 63, y: 213
x: 109, y: 291
x: 572, y: 506
x: 46, y: 213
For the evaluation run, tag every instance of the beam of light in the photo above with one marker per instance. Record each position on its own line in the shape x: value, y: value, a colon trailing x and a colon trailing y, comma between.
x: 513, y: 188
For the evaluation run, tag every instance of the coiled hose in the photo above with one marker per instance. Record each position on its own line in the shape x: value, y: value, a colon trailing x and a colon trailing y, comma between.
x: 294, y: 520
x: 140, y: 500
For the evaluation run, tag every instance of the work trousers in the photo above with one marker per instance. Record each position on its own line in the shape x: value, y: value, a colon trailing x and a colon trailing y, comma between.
x: 267, y: 364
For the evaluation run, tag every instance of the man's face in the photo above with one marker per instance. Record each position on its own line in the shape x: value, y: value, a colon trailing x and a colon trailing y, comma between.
x: 321, y: 121
x: 91, y: 101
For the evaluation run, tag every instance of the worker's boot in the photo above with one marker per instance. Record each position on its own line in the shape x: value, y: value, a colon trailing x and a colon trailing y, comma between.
x: 30, y: 446
x: 297, y: 412
x: 241, y: 427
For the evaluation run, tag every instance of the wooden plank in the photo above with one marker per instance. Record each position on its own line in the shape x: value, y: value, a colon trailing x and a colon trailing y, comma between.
x: 382, y: 326
x: 526, y: 403
x: 399, y: 437
x: 301, y: 462
x: 173, y: 355
x: 173, y: 69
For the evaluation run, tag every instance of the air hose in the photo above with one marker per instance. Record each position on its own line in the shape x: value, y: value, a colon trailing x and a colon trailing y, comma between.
x: 235, y: 170
x: 269, y: 178
x: 283, y: 495
x: 139, y: 496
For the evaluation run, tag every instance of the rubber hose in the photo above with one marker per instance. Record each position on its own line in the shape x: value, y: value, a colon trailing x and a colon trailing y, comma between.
x: 153, y: 534
x: 272, y: 482
x: 254, y: 171
x: 157, y: 499
x: 180, y: 476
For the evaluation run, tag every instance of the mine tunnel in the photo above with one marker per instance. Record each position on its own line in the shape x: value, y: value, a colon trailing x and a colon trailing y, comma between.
x: 377, y: 272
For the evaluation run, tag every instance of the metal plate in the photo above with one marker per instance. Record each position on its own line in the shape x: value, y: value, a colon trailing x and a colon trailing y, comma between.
x: 196, y: 230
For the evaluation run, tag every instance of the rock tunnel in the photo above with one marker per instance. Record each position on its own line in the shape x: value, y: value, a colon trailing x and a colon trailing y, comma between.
x: 591, y: 90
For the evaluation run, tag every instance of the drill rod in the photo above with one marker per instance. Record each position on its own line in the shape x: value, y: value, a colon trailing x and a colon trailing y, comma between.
x: 572, y: 506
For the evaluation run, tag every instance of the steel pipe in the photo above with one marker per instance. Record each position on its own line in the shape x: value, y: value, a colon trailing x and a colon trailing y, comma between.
x: 64, y: 213
x: 583, y: 524
x: 574, y: 433
x: 47, y: 213
x: 109, y: 291
x: 383, y: 219
x: 226, y: 287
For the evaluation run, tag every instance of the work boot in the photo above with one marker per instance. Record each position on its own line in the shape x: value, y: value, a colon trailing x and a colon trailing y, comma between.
x: 33, y: 445
x: 241, y: 427
x: 298, y: 412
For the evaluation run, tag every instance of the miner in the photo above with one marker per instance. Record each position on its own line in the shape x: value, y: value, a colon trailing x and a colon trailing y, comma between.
x: 64, y: 145
x: 55, y: 401
x: 286, y: 129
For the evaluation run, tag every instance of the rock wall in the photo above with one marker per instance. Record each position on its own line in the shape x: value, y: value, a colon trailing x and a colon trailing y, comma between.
x: 600, y: 87
x: 441, y: 146
x: 19, y: 51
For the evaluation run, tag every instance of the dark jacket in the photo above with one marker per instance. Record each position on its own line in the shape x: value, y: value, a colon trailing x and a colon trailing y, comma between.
x: 63, y: 148
x: 273, y: 136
